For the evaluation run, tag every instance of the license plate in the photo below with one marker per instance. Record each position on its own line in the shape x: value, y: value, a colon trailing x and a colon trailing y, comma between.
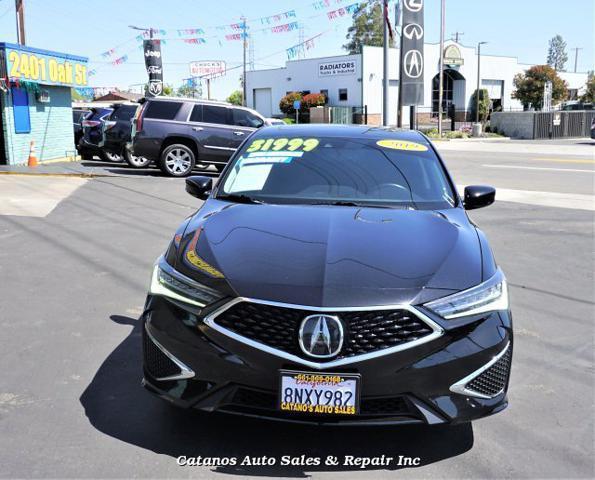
x: 319, y: 393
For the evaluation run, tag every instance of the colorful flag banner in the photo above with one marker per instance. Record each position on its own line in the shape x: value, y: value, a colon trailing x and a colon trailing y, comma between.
x: 190, y: 31
x: 296, y: 50
x: 277, y: 18
x: 321, y: 4
x: 341, y: 12
x: 288, y: 27
x: 195, y: 41
x: 119, y: 61
x: 236, y: 36
x: 109, y: 53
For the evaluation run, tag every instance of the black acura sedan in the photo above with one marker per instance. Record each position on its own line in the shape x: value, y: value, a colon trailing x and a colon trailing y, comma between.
x: 332, y: 275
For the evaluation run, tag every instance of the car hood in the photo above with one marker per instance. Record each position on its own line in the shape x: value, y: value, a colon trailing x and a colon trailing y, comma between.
x: 330, y: 256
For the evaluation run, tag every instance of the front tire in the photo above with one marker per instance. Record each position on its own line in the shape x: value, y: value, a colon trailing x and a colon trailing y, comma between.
x: 135, y: 161
x: 177, y: 160
x: 110, y: 156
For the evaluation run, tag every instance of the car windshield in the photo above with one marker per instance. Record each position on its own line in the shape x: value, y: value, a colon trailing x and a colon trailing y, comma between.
x: 340, y: 171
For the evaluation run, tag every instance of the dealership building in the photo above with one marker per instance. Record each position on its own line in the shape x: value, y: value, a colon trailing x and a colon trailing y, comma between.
x: 356, y: 81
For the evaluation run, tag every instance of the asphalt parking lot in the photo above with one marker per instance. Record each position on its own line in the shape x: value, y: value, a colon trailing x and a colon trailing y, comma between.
x: 73, y: 284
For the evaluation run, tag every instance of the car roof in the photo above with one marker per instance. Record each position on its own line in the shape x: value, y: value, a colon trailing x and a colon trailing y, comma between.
x: 186, y: 99
x: 347, y: 131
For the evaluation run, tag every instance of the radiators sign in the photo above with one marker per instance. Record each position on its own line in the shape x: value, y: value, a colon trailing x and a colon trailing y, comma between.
x: 412, y: 53
x: 330, y: 69
x: 154, y: 64
x: 43, y: 66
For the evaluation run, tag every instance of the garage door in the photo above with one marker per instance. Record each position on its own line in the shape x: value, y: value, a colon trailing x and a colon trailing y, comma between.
x: 263, y: 101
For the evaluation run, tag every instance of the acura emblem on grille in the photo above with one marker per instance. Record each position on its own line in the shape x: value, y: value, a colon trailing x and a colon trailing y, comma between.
x: 321, y: 336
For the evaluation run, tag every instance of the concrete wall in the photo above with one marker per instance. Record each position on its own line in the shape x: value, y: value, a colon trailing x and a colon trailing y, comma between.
x: 513, y: 124
x: 51, y: 127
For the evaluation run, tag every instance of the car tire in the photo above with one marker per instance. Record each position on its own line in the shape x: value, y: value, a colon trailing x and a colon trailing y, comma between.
x: 135, y: 161
x: 110, y: 156
x: 86, y: 156
x: 177, y: 160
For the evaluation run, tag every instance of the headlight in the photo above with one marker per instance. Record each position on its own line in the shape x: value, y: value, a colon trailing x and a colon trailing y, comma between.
x: 168, y: 282
x: 488, y: 296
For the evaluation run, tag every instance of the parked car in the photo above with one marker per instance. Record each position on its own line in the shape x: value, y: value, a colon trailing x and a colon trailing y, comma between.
x: 178, y: 133
x: 593, y: 128
x: 575, y: 105
x: 91, y: 142
x: 78, y: 115
x: 332, y: 275
x: 117, y: 130
x: 274, y: 121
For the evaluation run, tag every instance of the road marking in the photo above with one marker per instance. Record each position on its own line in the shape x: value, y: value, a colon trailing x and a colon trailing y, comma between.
x: 564, y: 160
x: 34, y: 196
x: 519, y: 167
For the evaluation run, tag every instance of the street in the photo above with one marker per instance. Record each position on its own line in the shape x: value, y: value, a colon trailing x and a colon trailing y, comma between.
x: 74, y: 275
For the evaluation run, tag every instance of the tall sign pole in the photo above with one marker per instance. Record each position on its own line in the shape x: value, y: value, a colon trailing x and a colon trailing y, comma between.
x: 441, y: 67
x: 20, y: 14
x: 411, y: 81
x: 385, y: 82
x: 245, y: 42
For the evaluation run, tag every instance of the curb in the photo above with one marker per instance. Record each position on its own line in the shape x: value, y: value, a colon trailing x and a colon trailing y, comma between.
x: 37, y: 174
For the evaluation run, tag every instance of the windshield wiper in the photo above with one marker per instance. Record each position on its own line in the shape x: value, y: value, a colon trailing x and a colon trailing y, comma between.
x: 239, y: 198
x: 345, y: 203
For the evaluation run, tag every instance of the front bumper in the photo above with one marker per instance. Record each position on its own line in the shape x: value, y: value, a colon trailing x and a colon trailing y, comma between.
x: 414, y: 385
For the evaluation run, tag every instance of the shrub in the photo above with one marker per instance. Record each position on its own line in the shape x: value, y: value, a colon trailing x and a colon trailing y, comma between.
x: 313, y: 100
x: 286, y: 103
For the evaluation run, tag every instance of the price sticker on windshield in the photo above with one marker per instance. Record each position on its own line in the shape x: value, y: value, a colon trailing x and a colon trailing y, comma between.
x: 283, y: 145
x: 402, y: 145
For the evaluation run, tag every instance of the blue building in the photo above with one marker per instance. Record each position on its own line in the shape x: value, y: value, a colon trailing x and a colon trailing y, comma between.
x: 35, y: 102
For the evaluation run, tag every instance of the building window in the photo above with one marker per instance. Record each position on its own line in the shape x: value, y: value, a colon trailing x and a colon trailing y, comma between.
x: 325, y: 93
x: 572, y: 94
x: 305, y: 92
x: 20, y: 109
x: 342, y: 94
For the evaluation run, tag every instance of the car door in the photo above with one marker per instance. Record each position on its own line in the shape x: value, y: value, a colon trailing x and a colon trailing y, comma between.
x: 118, y: 127
x: 244, y: 123
x: 210, y: 126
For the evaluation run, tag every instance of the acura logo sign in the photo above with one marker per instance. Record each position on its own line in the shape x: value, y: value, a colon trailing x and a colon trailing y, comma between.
x: 413, y: 63
x: 321, y: 336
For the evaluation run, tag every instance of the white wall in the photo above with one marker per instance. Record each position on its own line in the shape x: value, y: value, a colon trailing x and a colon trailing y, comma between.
x: 300, y: 75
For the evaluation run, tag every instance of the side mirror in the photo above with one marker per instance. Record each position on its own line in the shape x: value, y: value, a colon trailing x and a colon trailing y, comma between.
x: 199, y: 187
x: 478, y: 196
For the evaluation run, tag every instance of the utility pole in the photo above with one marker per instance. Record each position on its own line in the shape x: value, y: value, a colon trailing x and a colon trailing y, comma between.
x: 576, y: 49
x: 20, y: 17
x: 385, y: 82
x: 245, y: 42
x: 441, y: 66
x: 478, y: 80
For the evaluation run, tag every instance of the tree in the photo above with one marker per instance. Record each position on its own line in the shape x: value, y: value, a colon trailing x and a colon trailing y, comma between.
x: 186, y: 90
x: 484, y: 105
x: 556, y: 54
x: 367, y: 27
x: 235, y: 98
x: 286, y: 103
x: 589, y: 95
x: 313, y: 100
x: 529, y: 86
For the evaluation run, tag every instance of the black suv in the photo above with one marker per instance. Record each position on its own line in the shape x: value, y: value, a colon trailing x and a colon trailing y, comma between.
x: 178, y: 133
x: 117, y: 129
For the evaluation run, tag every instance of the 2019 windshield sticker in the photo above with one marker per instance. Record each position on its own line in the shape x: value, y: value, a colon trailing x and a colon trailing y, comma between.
x: 192, y: 257
x: 285, y: 144
x: 402, y: 145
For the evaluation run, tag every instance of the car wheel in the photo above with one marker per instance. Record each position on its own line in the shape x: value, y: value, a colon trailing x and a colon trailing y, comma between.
x: 110, y: 156
x: 135, y: 161
x: 177, y: 160
x: 86, y: 156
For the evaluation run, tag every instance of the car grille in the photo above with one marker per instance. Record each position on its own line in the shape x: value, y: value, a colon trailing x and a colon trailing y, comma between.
x: 493, y: 380
x: 156, y: 362
x: 365, y: 331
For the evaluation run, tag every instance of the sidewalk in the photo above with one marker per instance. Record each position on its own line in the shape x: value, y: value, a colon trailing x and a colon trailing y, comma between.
x: 583, y: 147
x: 76, y: 169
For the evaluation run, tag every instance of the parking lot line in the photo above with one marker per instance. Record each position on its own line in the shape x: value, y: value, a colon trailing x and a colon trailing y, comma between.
x: 564, y: 160
x: 522, y: 167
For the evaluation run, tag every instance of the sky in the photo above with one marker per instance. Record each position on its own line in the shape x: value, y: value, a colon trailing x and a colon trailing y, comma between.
x: 520, y: 28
